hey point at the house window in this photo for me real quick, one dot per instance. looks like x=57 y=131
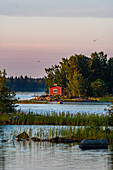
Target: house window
x=54 y=90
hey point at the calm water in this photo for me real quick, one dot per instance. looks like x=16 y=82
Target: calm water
x=28 y=95
x=44 y=155
x=66 y=107
x=72 y=107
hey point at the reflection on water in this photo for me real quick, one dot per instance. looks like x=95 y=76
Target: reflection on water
x=72 y=107
x=45 y=155
x=28 y=95
x=76 y=107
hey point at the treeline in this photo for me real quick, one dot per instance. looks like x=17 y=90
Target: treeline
x=83 y=76
x=25 y=84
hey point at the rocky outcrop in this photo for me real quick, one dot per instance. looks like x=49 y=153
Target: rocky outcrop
x=22 y=136
x=94 y=144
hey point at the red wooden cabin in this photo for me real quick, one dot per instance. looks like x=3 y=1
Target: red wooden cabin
x=56 y=90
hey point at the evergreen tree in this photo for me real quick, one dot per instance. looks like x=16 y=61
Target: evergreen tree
x=6 y=95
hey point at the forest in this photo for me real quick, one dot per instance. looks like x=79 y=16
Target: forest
x=25 y=84
x=83 y=76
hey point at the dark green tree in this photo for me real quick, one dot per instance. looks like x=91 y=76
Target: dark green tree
x=80 y=75
x=98 y=66
x=7 y=97
x=99 y=88
x=110 y=76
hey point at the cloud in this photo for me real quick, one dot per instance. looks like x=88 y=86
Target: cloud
x=59 y=8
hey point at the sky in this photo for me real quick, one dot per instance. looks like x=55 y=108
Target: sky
x=35 y=34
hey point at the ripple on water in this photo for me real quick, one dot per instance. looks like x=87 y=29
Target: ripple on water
x=45 y=155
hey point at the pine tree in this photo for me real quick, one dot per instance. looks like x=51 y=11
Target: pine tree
x=7 y=97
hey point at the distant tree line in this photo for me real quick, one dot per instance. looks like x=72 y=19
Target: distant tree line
x=82 y=75
x=25 y=84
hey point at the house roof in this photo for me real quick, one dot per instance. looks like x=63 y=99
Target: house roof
x=55 y=86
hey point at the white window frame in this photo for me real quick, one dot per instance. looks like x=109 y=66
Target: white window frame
x=54 y=90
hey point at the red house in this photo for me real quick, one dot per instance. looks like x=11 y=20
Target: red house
x=56 y=90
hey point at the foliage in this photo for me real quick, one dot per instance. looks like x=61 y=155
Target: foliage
x=75 y=85
x=69 y=132
x=25 y=84
x=6 y=95
x=110 y=110
x=79 y=74
x=53 y=118
x=99 y=88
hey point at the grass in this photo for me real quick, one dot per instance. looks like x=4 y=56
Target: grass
x=31 y=102
x=69 y=132
x=102 y=99
x=61 y=118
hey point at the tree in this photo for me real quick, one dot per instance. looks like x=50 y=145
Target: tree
x=99 y=88
x=76 y=85
x=7 y=97
x=98 y=66
x=91 y=72
x=110 y=75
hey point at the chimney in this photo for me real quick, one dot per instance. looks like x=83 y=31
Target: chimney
x=55 y=84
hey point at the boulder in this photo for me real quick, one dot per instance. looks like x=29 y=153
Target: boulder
x=94 y=144
x=23 y=135
x=57 y=140
x=61 y=140
x=4 y=140
x=35 y=139
x=69 y=141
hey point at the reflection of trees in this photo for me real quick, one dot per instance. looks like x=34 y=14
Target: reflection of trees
x=2 y=151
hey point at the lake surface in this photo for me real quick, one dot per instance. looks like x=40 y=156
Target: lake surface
x=71 y=107
x=76 y=107
x=45 y=155
x=28 y=95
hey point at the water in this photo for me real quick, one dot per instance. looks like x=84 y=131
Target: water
x=71 y=107
x=28 y=95
x=76 y=107
x=45 y=155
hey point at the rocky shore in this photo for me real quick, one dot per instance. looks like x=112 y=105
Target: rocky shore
x=61 y=98
x=84 y=144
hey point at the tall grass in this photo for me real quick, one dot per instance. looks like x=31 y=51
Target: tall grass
x=69 y=132
x=84 y=119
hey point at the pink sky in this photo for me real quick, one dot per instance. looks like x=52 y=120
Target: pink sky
x=26 y=40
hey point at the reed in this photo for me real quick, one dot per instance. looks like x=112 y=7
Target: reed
x=69 y=132
x=84 y=119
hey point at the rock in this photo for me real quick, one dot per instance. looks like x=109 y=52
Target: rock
x=57 y=140
x=94 y=144
x=4 y=140
x=69 y=141
x=23 y=135
x=35 y=139
x=61 y=140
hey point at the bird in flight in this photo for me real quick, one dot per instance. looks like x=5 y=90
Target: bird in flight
x=95 y=40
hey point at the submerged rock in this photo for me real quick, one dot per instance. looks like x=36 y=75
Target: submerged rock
x=23 y=135
x=94 y=144
x=4 y=140
x=35 y=139
x=61 y=140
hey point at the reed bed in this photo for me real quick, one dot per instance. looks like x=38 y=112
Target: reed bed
x=61 y=118
x=69 y=132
